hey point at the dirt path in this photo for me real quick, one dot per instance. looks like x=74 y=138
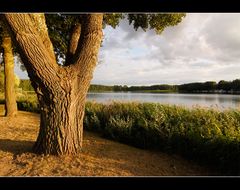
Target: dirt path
x=100 y=157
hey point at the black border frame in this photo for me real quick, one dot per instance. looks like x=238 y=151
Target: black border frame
x=120 y=6
x=188 y=182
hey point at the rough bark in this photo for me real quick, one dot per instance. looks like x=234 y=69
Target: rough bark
x=8 y=59
x=38 y=20
x=61 y=90
x=61 y=126
x=75 y=35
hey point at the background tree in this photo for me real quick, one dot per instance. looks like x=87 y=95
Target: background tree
x=25 y=84
x=8 y=62
x=209 y=86
x=62 y=89
x=236 y=85
x=224 y=85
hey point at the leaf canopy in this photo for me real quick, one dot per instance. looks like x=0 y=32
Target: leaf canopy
x=61 y=25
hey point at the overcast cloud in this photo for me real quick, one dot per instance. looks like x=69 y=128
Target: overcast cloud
x=202 y=47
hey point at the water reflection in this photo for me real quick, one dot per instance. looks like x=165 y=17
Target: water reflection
x=221 y=101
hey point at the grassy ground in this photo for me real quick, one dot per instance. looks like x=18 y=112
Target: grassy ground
x=99 y=157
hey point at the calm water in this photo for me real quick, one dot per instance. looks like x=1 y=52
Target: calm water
x=220 y=101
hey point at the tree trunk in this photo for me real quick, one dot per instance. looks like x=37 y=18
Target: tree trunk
x=61 y=125
x=10 y=96
x=61 y=90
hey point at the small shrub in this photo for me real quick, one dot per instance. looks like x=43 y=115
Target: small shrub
x=28 y=106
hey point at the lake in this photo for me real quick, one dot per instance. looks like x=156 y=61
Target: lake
x=220 y=101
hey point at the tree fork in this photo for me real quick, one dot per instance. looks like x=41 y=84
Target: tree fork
x=61 y=90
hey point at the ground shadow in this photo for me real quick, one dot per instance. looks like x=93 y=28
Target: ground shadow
x=219 y=154
x=16 y=146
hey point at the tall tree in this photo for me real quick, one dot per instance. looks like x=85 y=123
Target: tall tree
x=62 y=89
x=8 y=60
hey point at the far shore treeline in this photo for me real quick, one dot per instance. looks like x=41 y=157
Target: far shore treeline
x=231 y=87
x=196 y=87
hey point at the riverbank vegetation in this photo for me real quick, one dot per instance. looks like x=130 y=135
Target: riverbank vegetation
x=228 y=87
x=208 y=136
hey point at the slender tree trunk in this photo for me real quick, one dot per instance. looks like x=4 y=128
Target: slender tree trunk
x=61 y=91
x=10 y=96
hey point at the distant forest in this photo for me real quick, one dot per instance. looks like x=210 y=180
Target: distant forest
x=196 y=87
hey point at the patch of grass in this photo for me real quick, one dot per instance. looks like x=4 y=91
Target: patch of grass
x=209 y=136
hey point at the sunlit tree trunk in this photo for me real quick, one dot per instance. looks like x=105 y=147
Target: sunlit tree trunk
x=8 y=59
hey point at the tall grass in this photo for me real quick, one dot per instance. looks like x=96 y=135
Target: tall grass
x=208 y=136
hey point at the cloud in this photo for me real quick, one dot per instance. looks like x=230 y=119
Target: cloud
x=202 y=47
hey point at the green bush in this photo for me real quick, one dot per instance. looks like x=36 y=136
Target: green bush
x=31 y=106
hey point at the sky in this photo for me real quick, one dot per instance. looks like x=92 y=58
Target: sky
x=203 y=47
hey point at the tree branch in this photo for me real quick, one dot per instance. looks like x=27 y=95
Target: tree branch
x=88 y=46
x=75 y=35
x=36 y=56
x=39 y=22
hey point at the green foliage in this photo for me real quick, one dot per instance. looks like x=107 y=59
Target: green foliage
x=16 y=81
x=28 y=105
x=99 y=88
x=155 y=21
x=211 y=86
x=156 y=88
x=26 y=85
x=26 y=101
x=94 y=119
x=208 y=136
x=236 y=85
x=60 y=25
x=112 y=19
x=224 y=85
x=196 y=87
